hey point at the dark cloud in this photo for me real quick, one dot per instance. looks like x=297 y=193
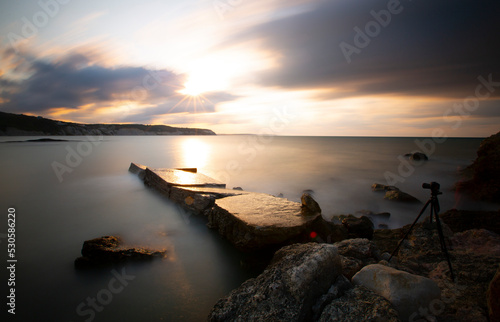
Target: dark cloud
x=429 y=48
x=74 y=81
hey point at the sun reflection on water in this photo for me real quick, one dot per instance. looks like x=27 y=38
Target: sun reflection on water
x=195 y=153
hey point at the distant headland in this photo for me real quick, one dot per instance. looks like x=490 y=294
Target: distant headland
x=19 y=125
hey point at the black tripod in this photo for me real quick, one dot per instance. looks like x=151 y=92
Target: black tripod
x=434 y=202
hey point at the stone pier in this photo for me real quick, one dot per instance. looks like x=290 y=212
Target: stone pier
x=251 y=221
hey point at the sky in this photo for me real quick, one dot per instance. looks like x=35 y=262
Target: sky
x=274 y=67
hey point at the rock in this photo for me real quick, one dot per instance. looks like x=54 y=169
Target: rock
x=461 y=220
x=418 y=156
x=398 y=195
x=359 y=304
x=407 y=292
x=386 y=240
x=238 y=188
x=309 y=206
x=107 y=250
x=493 y=297
x=337 y=290
x=287 y=290
x=381 y=187
x=358 y=227
x=355 y=254
x=481 y=180
x=371 y=214
x=383 y=226
x=479 y=241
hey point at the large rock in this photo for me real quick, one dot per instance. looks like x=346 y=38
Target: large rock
x=407 y=292
x=361 y=227
x=360 y=304
x=108 y=250
x=493 y=297
x=287 y=290
x=482 y=177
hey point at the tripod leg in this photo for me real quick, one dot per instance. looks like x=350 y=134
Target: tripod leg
x=443 y=242
x=409 y=230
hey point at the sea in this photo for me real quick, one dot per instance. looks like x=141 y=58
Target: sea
x=66 y=192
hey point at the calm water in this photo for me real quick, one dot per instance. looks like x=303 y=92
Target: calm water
x=99 y=197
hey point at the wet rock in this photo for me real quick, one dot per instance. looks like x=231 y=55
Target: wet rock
x=406 y=292
x=309 y=206
x=358 y=227
x=462 y=220
x=418 y=156
x=481 y=180
x=238 y=188
x=398 y=195
x=107 y=250
x=287 y=290
x=479 y=241
x=359 y=304
x=493 y=297
x=381 y=187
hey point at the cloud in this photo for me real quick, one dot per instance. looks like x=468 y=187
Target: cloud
x=74 y=81
x=429 y=48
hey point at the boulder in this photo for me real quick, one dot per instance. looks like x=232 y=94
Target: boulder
x=407 y=292
x=493 y=297
x=107 y=250
x=361 y=227
x=360 y=304
x=287 y=290
x=481 y=180
x=309 y=206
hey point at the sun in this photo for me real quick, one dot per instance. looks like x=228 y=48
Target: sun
x=205 y=76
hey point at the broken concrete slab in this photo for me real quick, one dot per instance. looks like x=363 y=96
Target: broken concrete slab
x=249 y=220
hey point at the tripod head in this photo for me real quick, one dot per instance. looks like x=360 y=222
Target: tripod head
x=434 y=187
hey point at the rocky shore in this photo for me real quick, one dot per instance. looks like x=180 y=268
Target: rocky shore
x=326 y=271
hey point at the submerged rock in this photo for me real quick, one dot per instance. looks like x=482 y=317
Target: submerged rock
x=393 y=193
x=287 y=290
x=360 y=304
x=398 y=195
x=418 y=156
x=107 y=250
x=407 y=292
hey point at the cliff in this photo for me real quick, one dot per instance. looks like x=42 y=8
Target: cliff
x=19 y=124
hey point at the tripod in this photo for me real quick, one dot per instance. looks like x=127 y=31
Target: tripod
x=434 y=202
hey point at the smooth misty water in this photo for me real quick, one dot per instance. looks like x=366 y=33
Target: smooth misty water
x=99 y=197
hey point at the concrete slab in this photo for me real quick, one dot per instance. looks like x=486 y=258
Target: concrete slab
x=173 y=177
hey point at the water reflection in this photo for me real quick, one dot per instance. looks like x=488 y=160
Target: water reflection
x=195 y=153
